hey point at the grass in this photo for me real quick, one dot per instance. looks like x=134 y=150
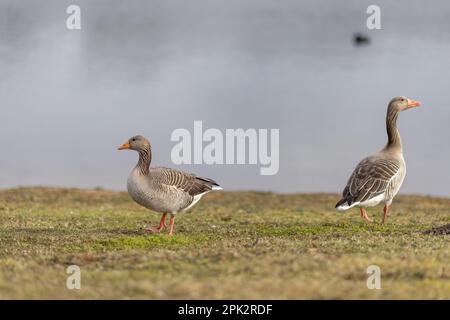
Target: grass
x=232 y=245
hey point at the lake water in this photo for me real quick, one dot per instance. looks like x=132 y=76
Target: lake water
x=69 y=98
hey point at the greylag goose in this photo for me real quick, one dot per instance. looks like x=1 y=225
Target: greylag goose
x=378 y=178
x=161 y=189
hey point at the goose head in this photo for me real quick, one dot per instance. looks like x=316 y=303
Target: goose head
x=137 y=143
x=403 y=103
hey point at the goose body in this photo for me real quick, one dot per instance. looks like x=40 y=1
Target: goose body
x=160 y=192
x=378 y=178
x=163 y=189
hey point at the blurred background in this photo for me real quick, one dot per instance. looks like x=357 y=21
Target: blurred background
x=69 y=98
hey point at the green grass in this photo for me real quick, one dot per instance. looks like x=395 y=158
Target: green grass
x=232 y=245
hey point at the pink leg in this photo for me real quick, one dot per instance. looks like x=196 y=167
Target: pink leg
x=162 y=224
x=385 y=213
x=364 y=215
x=172 y=221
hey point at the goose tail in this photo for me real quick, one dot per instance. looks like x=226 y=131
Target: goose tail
x=343 y=204
x=213 y=185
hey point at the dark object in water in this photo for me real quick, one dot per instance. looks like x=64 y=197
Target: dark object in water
x=360 y=39
x=439 y=230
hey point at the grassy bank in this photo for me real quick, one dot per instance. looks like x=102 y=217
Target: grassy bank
x=232 y=245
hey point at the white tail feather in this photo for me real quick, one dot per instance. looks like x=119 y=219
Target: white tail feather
x=345 y=206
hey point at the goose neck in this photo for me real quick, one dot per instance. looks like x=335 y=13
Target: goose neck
x=145 y=158
x=394 y=138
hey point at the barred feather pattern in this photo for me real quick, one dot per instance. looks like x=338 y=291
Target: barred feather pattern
x=380 y=176
x=189 y=183
x=372 y=177
x=164 y=189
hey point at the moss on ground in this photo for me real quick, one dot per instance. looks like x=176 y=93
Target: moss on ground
x=232 y=245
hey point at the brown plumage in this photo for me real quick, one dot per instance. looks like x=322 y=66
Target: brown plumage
x=162 y=189
x=370 y=179
x=379 y=177
x=188 y=182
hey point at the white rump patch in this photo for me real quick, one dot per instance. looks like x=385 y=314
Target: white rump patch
x=195 y=200
x=345 y=206
x=199 y=196
x=368 y=203
x=372 y=202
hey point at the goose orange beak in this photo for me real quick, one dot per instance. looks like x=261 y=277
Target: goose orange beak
x=124 y=146
x=412 y=103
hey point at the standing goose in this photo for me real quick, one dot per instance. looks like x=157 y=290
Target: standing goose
x=378 y=178
x=163 y=189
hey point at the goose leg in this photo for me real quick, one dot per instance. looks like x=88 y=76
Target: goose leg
x=162 y=224
x=385 y=213
x=172 y=221
x=364 y=215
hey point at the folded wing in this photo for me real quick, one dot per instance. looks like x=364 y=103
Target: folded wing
x=370 y=178
x=184 y=181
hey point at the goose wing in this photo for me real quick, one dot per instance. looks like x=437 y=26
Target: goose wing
x=370 y=178
x=187 y=182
